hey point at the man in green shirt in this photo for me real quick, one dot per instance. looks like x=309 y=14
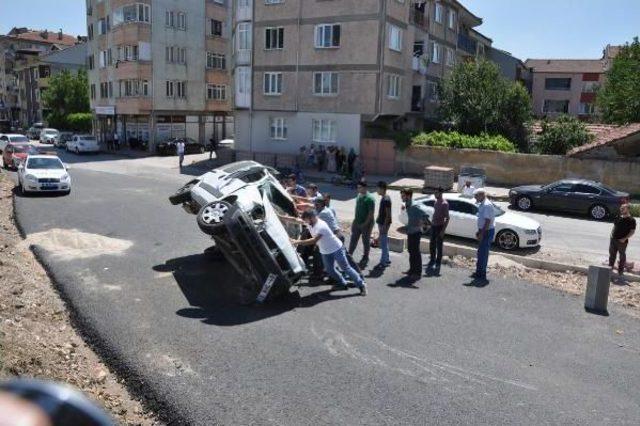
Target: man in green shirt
x=363 y=222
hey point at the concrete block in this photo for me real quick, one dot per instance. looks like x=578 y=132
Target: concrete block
x=397 y=245
x=597 y=294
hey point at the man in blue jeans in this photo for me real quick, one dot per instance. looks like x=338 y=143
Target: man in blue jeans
x=332 y=251
x=485 y=234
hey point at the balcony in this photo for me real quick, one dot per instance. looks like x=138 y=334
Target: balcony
x=467 y=44
x=418 y=19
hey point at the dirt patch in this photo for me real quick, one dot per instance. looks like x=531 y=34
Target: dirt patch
x=68 y=244
x=625 y=294
x=37 y=338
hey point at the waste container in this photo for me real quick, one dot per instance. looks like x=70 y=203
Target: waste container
x=475 y=175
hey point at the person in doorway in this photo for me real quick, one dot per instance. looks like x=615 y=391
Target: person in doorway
x=180 y=152
x=439 y=223
x=415 y=216
x=486 y=232
x=468 y=189
x=362 y=224
x=384 y=224
x=624 y=227
x=213 y=147
x=332 y=252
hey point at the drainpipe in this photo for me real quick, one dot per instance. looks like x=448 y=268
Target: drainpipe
x=381 y=49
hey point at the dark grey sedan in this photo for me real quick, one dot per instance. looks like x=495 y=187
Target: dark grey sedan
x=570 y=196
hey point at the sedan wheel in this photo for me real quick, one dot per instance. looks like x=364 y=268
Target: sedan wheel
x=598 y=212
x=508 y=240
x=211 y=217
x=524 y=203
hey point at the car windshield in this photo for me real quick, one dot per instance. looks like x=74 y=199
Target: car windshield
x=24 y=148
x=19 y=139
x=45 y=163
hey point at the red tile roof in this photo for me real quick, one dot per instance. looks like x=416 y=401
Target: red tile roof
x=51 y=37
x=607 y=135
x=566 y=66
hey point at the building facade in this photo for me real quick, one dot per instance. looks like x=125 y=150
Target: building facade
x=18 y=48
x=326 y=72
x=159 y=69
x=511 y=68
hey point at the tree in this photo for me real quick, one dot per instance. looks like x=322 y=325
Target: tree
x=476 y=99
x=561 y=135
x=66 y=94
x=619 y=98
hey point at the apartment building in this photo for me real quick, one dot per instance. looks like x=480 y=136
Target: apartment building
x=328 y=72
x=18 y=45
x=568 y=86
x=159 y=69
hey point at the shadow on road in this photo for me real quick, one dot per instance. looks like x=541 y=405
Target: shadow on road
x=209 y=285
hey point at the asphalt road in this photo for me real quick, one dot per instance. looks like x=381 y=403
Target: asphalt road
x=133 y=267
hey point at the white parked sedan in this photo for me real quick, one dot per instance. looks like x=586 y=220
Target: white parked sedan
x=83 y=143
x=7 y=138
x=513 y=230
x=43 y=173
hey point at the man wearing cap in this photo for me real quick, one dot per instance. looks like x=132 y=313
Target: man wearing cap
x=485 y=234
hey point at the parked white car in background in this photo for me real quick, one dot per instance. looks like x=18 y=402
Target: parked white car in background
x=51 y=136
x=43 y=173
x=8 y=138
x=513 y=230
x=83 y=143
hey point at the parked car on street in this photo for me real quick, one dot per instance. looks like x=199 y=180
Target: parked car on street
x=83 y=143
x=43 y=173
x=238 y=205
x=513 y=231
x=8 y=138
x=49 y=136
x=570 y=196
x=16 y=153
x=65 y=137
x=191 y=146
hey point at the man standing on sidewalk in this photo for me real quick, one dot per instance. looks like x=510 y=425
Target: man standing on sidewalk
x=362 y=223
x=439 y=223
x=624 y=227
x=415 y=215
x=384 y=223
x=485 y=234
x=332 y=251
x=180 y=152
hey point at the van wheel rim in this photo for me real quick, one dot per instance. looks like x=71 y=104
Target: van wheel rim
x=598 y=212
x=524 y=203
x=508 y=240
x=214 y=213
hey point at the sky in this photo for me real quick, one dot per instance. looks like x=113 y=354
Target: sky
x=525 y=28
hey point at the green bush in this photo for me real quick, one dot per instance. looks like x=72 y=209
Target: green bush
x=561 y=135
x=459 y=140
x=635 y=210
x=80 y=122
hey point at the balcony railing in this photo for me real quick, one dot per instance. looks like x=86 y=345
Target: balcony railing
x=418 y=19
x=467 y=44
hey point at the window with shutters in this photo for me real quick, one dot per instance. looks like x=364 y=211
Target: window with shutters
x=327 y=36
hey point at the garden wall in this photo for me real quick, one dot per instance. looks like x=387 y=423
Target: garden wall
x=511 y=169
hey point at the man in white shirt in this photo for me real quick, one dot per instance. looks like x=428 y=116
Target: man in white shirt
x=485 y=233
x=180 y=152
x=468 y=190
x=332 y=251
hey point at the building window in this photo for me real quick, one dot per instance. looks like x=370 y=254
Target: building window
x=451 y=57
x=439 y=13
x=136 y=12
x=395 y=38
x=127 y=53
x=587 y=108
x=102 y=26
x=215 y=28
x=181 y=89
x=216 y=61
x=182 y=21
x=134 y=88
x=272 y=83
x=555 y=106
x=93 y=91
x=170 y=90
x=324 y=130
x=244 y=36
x=557 y=84
x=325 y=83
x=432 y=91
x=90 y=31
x=110 y=89
x=278 y=128
x=274 y=38
x=244 y=80
x=452 y=19
x=327 y=35
x=176 y=55
x=590 y=87
x=394 y=84
x=90 y=62
x=103 y=58
x=216 y=92
x=435 y=53
x=169 y=18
